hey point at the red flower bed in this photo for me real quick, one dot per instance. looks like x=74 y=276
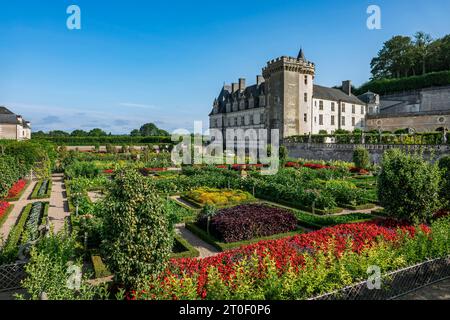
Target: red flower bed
x=316 y=166
x=246 y=222
x=359 y=171
x=222 y=167
x=292 y=165
x=289 y=251
x=108 y=171
x=3 y=207
x=16 y=189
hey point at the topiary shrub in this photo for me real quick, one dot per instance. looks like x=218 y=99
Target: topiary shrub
x=444 y=165
x=361 y=158
x=137 y=237
x=408 y=186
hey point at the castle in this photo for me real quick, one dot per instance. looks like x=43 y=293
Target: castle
x=286 y=98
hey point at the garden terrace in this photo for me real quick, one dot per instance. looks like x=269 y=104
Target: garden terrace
x=291 y=266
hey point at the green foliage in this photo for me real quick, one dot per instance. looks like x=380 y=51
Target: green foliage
x=390 y=86
x=444 y=165
x=52 y=267
x=408 y=186
x=361 y=158
x=9 y=174
x=137 y=241
x=82 y=169
x=116 y=140
x=151 y=130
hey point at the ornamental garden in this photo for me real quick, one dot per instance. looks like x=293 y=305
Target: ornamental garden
x=312 y=228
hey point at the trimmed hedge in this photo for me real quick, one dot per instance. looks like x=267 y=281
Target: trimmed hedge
x=100 y=269
x=318 y=222
x=10 y=249
x=114 y=140
x=44 y=186
x=389 y=86
x=183 y=249
x=221 y=246
x=6 y=214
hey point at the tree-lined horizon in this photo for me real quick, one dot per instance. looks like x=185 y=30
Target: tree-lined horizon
x=405 y=56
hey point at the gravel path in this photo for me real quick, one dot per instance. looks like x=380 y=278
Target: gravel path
x=59 y=208
x=437 y=291
x=205 y=249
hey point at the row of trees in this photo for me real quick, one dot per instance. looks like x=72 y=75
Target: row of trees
x=404 y=56
x=147 y=130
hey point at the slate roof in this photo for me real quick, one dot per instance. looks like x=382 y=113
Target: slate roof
x=4 y=110
x=250 y=91
x=333 y=94
x=8 y=118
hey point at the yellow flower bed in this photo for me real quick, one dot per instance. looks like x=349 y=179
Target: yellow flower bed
x=218 y=197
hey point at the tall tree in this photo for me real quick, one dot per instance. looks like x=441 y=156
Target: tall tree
x=79 y=133
x=150 y=129
x=97 y=133
x=422 y=44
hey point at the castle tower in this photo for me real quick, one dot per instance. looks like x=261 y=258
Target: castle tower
x=289 y=90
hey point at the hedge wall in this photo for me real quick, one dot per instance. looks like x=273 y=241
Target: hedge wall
x=390 y=86
x=117 y=140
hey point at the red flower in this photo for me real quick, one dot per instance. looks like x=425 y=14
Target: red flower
x=16 y=189
x=108 y=171
x=3 y=207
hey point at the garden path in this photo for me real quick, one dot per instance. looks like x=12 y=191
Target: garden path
x=437 y=291
x=16 y=211
x=59 y=208
x=205 y=249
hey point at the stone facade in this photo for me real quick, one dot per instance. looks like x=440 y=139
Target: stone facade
x=13 y=127
x=422 y=110
x=286 y=98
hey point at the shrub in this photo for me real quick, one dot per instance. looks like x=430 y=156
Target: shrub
x=52 y=266
x=361 y=158
x=249 y=221
x=444 y=165
x=82 y=169
x=218 y=197
x=137 y=240
x=408 y=186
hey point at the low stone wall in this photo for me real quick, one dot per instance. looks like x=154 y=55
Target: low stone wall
x=344 y=152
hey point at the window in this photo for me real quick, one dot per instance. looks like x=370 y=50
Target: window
x=353 y=109
x=305 y=117
x=332 y=120
x=363 y=109
x=343 y=107
x=343 y=121
x=306 y=79
x=321 y=105
x=362 y=123
x=353 y=121
x=306 y=97
x=332 y=107
x=320 y=119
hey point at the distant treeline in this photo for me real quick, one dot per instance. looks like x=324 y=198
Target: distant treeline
x=103 y=140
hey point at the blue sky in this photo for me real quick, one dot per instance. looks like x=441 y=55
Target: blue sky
x=164 y=61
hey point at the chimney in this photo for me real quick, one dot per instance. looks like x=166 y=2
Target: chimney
x=241 y=84
x=259 y=80
x=234 y=87
x=347 y=87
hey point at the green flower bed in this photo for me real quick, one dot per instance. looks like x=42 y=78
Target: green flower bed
x=317 y=222
x=222 y=246
x=42 y=190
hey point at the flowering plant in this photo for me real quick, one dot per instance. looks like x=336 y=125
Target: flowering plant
x=16 y=189
x=3 y=208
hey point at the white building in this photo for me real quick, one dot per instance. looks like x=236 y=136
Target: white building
x=286 y=98
x=13 y=127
